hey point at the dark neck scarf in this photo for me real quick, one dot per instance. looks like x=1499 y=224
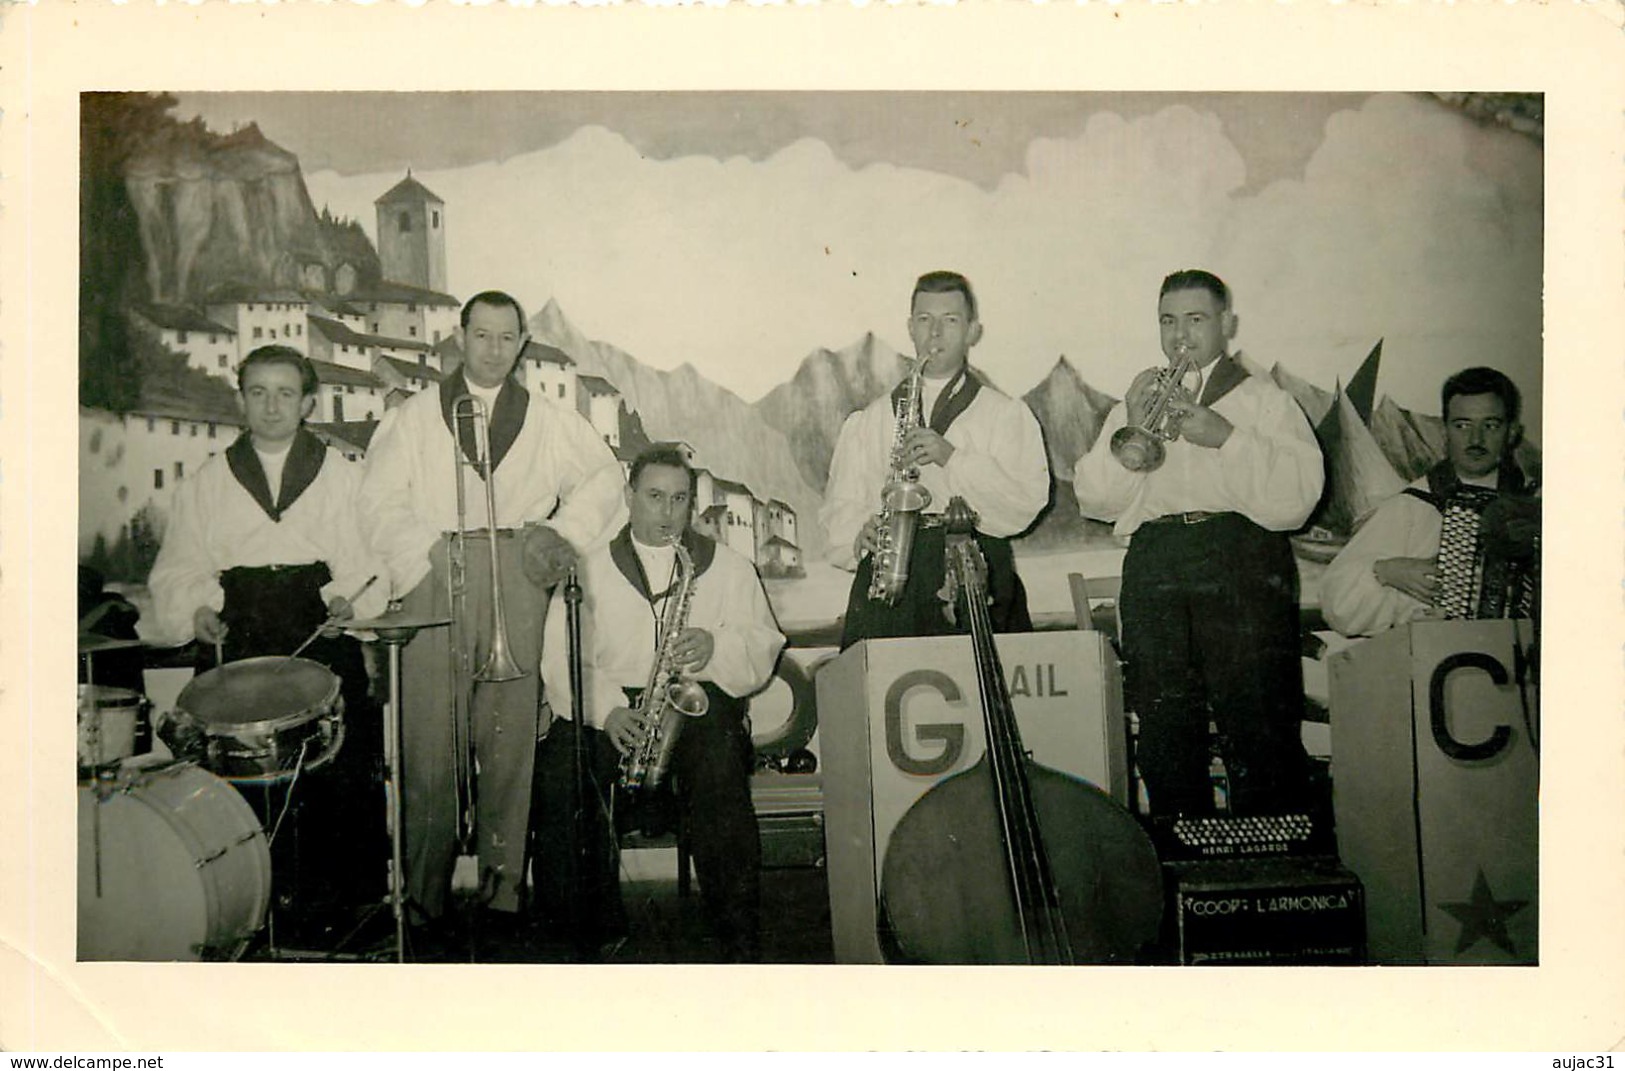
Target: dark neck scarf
x=1225 y=376
x=1444 y=483
x=956 y=396
x=507 y=418
x=700 y=549
x=305 y=456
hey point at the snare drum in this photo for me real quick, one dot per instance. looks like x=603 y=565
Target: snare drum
x=257 y=717
x=172 y=866
x=109 y=716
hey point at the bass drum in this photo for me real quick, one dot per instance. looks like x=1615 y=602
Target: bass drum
x=173 y=865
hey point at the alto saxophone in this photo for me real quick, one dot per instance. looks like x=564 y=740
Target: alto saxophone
x=902 y=500
x=669 y=697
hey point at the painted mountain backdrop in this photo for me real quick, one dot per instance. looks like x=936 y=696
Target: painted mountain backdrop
x=182 y=211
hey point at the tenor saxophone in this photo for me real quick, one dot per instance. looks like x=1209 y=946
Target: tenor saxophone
x=669 y=697
x=902 y=500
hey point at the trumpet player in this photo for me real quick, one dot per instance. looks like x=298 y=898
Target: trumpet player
x=661 y=595
x=966 y=439
x=554 y=489
x=1209 y=601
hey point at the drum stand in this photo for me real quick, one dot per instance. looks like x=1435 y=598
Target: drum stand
x=101 y=776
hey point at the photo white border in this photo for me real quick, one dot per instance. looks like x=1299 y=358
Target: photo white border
x=1574 y=1001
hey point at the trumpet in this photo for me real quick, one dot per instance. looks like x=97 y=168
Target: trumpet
x=669 y=696
x=499 y=664
x=1139 y=447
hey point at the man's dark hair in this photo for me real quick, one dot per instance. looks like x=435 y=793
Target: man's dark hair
x=1197 y=279
x=493 y=297
x=1480 y=380
x=944 y=282
x=660 y=454
x=279 y=354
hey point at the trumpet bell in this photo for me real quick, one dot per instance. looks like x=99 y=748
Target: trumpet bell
x=1138 y=450
x=688 y=698
x=499 y=667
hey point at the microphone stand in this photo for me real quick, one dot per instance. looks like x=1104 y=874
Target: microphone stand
x=581 y=834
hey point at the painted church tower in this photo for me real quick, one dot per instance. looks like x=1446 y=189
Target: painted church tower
x=412 y=235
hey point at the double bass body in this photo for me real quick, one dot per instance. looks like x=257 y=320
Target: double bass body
x=946 y=893
x=1011 y=861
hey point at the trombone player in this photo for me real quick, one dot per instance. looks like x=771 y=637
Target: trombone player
x=469 y=702
x=1208 y=488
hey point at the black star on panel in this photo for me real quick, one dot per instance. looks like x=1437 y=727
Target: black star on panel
x=1484 y=917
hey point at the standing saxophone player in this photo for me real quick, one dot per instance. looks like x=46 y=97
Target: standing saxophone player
x=1209 y=604
x=556 y=491
x=972 y=441
x=723 y=638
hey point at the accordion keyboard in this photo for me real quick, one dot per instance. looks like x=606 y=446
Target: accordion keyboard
x=1216 y=837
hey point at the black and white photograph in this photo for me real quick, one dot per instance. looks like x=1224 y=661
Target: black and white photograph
x=568 y=528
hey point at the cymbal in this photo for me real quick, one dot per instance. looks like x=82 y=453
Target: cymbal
x=91 y=643
x=398 y=621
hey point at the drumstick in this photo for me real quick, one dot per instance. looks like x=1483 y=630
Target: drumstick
x=327 y=624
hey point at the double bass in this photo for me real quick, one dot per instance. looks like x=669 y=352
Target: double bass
x=1011 y=861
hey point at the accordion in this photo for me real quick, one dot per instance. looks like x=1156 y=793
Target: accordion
x=1489 y=555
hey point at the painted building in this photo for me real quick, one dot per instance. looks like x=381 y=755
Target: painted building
x=341 y=310
x=549 y=371
x=398 y=310
x=261 y=317
x=599 y=401
x=133 y=460
x=779 y=558
x=335 y=343
x=777 y=520
x=350 y=438
x=209 y=347
x=344 y=394
x=412 y=234
x=409 y=376
x=738 y=524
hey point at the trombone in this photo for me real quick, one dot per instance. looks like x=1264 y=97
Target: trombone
x=499 y=664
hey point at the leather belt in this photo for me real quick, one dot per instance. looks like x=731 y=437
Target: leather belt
x=1195 y=516
x=485 y=533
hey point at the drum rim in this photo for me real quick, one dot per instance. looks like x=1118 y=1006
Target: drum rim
x=298 y=717
x=109 y=692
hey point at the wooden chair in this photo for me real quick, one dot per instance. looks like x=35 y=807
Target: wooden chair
x=1094 y=604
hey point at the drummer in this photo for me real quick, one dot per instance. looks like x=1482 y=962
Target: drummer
x=261 y=548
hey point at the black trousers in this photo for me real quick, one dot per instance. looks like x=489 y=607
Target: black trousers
x=710 y=794
x=919 y=611
x=331 y=848
x=1210 y=625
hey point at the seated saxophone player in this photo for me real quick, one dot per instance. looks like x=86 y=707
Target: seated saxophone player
x=1388 y=573
x=661 y=602
x=555 y=490
x=262 y=547
x=1209 y=602
x=957 y=435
